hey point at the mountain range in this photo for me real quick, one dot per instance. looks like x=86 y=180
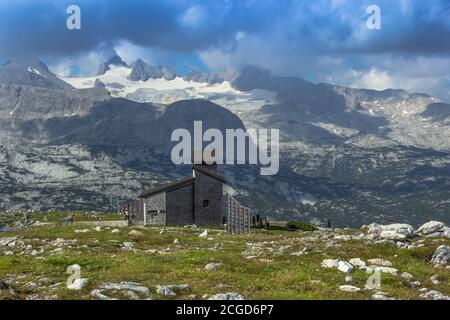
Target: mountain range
x=350 y=155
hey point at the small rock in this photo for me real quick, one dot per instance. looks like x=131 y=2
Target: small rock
x=381 y=296
x=212 y=266
x=435 y=279
x=66 y=220
x=127 y=286
x=344 y=266
x=99 y=295
x=3 y=285
x=45 y=282
x=414 y=284
x=176 y=241
x=403 y=245
x=406 y=275
x=441 y=256
x=347 y=288
x=204 y=234
x=380 y=262
x=78 y=284
x=136 y=233
x=227 y=296
x=115 y=231
x=434 y=295
x=169 y=290
x=98 y=229
x=128 y=246
x=82 y=231
x=348 y=279
x=389 y=270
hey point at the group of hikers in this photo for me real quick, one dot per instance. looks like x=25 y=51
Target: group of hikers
x=259 y=222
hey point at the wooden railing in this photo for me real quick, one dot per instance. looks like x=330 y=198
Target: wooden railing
x=238 y=217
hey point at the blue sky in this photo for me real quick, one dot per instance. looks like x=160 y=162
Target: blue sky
x=321 y=40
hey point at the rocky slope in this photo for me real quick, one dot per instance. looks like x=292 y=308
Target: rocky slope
x=377 y=262
x=346 y=154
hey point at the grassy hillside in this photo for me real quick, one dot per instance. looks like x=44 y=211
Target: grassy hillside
x=273 y=264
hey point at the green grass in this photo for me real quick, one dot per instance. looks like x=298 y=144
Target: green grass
x=269 y=276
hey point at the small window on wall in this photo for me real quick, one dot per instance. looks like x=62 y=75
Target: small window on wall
x=205 y=203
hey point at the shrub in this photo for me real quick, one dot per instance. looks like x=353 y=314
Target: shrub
x=299 y=225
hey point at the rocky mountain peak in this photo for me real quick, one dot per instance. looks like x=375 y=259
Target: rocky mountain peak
x=115 y=60
x=30 y=72
x=141 y=71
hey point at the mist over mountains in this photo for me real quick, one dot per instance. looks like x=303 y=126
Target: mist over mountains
x=352 y=155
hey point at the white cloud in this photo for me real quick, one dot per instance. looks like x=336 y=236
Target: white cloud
x=193 y=16
x=130 y=52
x=373 y=79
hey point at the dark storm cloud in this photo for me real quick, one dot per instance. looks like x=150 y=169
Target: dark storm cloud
x=38 y=27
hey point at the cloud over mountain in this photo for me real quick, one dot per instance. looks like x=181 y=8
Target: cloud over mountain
x=317 y=40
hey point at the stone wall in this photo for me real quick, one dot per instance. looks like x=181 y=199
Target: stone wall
x=209 y=189
x=156 y=209
x=180 y=206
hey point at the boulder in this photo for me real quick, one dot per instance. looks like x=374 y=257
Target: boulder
x=227 y=296
x=131 y=289
x=446 y=232
x=374 y=231
x=396 y=231
x=330 y=263
x=130 y=286
x=392 y=235
x=431 y=227
x=357 y=262
x=441 y=256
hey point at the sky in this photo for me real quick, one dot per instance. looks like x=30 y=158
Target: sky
x=319 y=40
